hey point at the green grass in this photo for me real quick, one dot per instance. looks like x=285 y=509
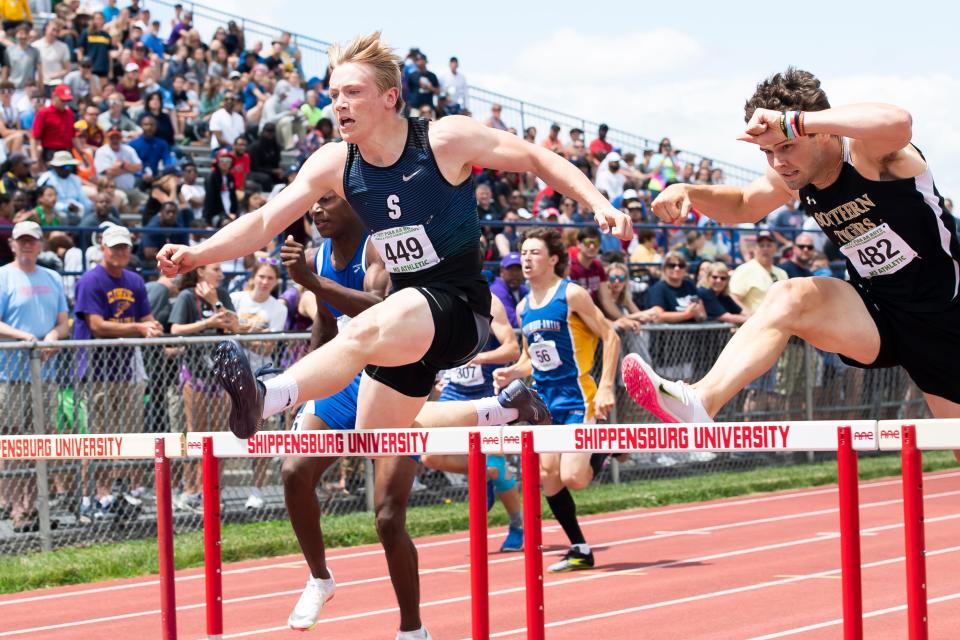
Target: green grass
x=264 y=539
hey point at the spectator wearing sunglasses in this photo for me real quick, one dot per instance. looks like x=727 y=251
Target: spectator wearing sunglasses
x=618 y=279
x=587 y=271
x=675 y=297
x=798 y=266
x=714 y=292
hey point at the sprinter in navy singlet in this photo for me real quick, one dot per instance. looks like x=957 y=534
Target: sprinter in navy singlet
x=435 y=318
x=857 y=173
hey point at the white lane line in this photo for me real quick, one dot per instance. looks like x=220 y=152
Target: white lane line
x=725 y=592
x=613 y=543
x=624 y=572
x=839 y=621
x=427 y=545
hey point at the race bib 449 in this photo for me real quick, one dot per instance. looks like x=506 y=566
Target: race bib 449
x=405 y=249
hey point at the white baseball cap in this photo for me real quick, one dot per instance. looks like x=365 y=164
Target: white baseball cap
x=116 y=235
x=523 y=213
x=27 y=228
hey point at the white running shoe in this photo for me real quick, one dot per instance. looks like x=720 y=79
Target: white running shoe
x=307 y=610
x=668 y=401
x=254 y=502
x=419 y=634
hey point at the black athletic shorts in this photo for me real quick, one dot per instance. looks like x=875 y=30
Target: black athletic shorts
x=925 y=343
x=460 y=333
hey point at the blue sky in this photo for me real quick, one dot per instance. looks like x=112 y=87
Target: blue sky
x=681 y=69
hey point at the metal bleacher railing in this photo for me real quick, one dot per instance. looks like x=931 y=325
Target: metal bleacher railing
x=516 y=112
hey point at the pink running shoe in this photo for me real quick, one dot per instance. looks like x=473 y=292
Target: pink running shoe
x=668 y=401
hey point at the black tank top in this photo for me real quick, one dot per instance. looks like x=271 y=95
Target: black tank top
x=898 y=239
x=425 y=229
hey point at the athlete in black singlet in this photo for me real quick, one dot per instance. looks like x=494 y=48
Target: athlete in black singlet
x=858 y=174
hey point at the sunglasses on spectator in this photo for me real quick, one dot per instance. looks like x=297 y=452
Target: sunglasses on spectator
x=804 y=247
x=617 y=278
x=268 y=260
x=675 y=265
x=590 y=243
x=719 y=277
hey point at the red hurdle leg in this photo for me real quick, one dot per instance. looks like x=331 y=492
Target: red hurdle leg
x=213 y=569
x=849 y=536
x=532 y=537
x=168 y=600
x=479 y=586
x=913 y=531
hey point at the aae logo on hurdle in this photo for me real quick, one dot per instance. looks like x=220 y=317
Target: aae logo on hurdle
x=768 y=436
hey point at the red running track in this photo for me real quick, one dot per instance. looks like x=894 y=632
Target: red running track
x=760 y=567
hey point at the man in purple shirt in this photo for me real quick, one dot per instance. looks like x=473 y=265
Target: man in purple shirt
x=185 y=24
x=112 y=302
x=509 y=286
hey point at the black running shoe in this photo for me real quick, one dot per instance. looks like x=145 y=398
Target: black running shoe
x=528 y=402
x=574 y=560
x=246 y=392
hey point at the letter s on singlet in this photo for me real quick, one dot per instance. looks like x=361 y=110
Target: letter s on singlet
x=393 y=204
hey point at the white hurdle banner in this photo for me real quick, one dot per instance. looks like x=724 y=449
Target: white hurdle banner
x=115 y=446
x=608 y=438
x=771 y=436
x=932 y=435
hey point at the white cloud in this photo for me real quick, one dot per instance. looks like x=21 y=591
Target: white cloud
x=604 y=79
x=567 y=55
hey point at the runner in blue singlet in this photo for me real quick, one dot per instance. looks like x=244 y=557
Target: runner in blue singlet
x=561 y=327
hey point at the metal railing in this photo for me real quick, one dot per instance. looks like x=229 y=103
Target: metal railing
x=164 y=385
x=516 y=112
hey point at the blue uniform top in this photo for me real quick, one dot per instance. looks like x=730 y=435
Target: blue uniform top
x=351 y=276
x=425 y=228
x=560 y=344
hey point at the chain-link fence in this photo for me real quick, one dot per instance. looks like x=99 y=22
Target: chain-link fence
x=166 y=385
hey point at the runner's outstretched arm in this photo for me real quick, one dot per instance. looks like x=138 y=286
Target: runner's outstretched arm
x=321 y=173
x=465 y=142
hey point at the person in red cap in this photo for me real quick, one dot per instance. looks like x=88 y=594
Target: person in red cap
x=53 y=124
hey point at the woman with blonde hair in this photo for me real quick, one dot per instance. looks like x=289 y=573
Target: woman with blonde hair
x=714 y=292
x=260 y=312
x=618 y=279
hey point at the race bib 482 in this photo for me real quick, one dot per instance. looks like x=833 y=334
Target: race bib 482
x=878 y=252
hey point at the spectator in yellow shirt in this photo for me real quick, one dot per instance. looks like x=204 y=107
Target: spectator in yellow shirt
x=15 y=12
x=751 y=280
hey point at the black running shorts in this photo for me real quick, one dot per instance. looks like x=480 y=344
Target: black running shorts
x=459 y=334
x=925 y=343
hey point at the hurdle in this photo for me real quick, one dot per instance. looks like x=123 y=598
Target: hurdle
x=911 y=438
x=846 y=438
x=161 y=448
x=475 y=442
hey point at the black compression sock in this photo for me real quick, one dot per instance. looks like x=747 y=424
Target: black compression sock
x=565 y=511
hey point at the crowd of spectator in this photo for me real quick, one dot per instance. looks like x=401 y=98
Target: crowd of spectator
x=112 y=121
